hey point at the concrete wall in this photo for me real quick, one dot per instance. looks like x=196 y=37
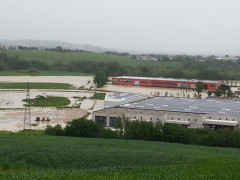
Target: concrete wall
x=196 y=120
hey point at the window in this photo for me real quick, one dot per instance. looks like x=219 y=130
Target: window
x=134 y=117
x=188 y=119
x=226 y=118
x=172 y=118
x=178 y=118
x=157 y=119
x=141 y=118
x=233 y=119
x=150 y=118
x=195 y=119
x=219 y=118
x=210 y=117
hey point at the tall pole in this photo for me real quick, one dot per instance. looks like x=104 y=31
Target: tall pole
x=27 y=114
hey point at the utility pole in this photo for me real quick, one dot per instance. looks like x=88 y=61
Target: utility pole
x=27 y=114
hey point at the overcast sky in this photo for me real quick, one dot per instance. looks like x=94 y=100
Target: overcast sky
x=175 y=26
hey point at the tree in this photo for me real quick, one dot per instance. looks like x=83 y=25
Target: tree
x=217 y=93
x=83 y=128
x=224 y=88
x=209 y=93
x=199 y=87
x=229 y=93
x=100 y=78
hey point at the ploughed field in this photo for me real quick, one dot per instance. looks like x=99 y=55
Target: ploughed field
x=48 y=157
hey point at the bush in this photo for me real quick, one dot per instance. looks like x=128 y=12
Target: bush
x=55 y=131
x=109 y=134
x=83 y=128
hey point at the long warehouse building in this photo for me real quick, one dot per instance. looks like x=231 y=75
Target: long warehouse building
x=192 y=113
x=164 y=82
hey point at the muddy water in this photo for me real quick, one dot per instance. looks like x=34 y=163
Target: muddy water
x=152 y=91
x=78 y=81
x=13 y=120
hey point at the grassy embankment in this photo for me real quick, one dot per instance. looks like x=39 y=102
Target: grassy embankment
x=52 y=57
x=46 y=157
x=100 y=96
x=36 y=86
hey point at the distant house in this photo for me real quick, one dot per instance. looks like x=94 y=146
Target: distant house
x=3 y=48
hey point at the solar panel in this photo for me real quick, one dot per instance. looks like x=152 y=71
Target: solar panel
x=201 y=106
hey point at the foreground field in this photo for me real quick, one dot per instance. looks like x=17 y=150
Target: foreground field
x=44 y=157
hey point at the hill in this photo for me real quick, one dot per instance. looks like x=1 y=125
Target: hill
x=42 y=44
x=52 y=57
x=46 y=157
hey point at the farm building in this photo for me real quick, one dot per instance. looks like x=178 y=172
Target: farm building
x=192 y=113
x=116 y=98
x=163 y=82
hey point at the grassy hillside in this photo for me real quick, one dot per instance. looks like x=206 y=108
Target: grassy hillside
x=51 y=57
x=44 y=157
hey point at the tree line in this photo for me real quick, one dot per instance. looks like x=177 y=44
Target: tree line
x=191 y=69
x=148 y=131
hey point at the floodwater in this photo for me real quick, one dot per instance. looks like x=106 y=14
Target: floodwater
x=11 y=119
x=153 y=91
x=78 y=81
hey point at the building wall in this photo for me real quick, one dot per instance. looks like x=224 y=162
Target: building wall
x=162 y=83
x=196 y=120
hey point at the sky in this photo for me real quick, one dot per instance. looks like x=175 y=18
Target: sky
x=162 y=26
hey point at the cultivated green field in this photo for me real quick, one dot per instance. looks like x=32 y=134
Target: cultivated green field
x=42 y=73
x=36 y=86
x=49 y=157
x=51 y=57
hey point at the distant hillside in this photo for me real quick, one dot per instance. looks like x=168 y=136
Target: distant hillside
x=52 y=57
x=42 y=44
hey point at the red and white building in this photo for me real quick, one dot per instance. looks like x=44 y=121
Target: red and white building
x=164 y=82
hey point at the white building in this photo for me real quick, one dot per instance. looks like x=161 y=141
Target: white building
x=115 y=98
x=192 y=113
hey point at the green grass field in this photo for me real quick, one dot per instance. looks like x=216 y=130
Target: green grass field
x=51 y=57
x=49 y=157
x=49 y=101
x=42 y=73
x=100 y=96
x=36 y=86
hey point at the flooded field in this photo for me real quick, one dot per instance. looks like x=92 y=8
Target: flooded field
x=12 y=120
x=12 y=113
x=153 y=91
x=78 y=81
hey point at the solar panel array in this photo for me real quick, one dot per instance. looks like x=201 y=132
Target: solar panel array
x=124 y=96
x=188 y=105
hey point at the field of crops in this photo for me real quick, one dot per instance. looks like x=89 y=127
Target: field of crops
x=47 y=157
x=51 y=57
x=36 y=86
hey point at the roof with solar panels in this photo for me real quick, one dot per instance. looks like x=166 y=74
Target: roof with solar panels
x=187 y=105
